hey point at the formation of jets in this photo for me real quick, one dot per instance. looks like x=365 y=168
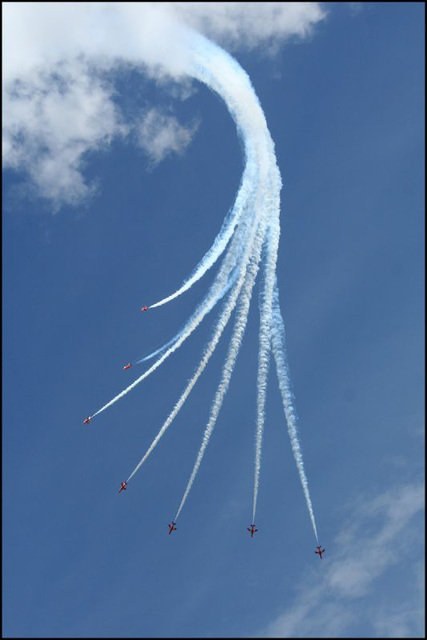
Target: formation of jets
x=172 y=525
x=251 y=529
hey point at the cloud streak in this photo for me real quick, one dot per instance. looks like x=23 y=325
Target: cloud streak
x=51 y=122
x=160 y=134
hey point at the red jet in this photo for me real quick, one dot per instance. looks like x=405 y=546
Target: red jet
x=144 y=308
x=127 y=366
x=172 y=527
x=123 y=486
x=252 y=530
x=87 y=420
x=320 y=551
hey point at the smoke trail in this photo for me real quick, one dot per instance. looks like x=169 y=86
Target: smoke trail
x=252 y=223
x=269 y=178
x=233 y=350
x=222 y=323
x=239 y=239
x=257 y=230
x=212 y=66
x=225 y=234
x=272 y=246
x=209 y=307
x=219 y=71
x=158 y=351
x=279 y=351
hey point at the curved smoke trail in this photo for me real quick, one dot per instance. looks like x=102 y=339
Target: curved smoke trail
x=224 y=236
x=233 y=350
x=250 y=234
x=213 y=302
x=209 y=350
x=269 y=186
x=233 y=254
x=215 y=68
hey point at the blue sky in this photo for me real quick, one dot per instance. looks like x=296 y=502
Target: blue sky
x=345 y=108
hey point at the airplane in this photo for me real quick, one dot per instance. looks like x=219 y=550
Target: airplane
x=123 y=486
x=252 y=530
x=127 y=366
x=320 y=551
x=87 y=420
x=144 y=308
x=172 y=527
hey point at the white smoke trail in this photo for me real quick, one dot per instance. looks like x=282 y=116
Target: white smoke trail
x=253 y=221
x=270 y=262
x=247 y=279
x=209 y=307
x=152 y=35
x=220 y=72
x=158 y=351
x=225 y=234
x=222 y=323
x=278 y=344
x=239 y=240
x=254 y=233
x=233 y=350
x=269 y=178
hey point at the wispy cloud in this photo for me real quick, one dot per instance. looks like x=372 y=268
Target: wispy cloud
x=379 y=537
x=247 y=25
x=160 y=134
x=51 y=121
x=59 y=61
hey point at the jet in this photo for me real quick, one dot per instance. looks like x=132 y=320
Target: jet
x=320 y=551
x=144 y=308
x=87 y=420
x=252 y=530
x=123 y=486
x=172 y=527
x=127 y=366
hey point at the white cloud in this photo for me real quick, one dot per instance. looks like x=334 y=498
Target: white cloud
x=379 y=536
x=57 y=104
x=247 y=25
x=52 y=121
x=160 y=134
